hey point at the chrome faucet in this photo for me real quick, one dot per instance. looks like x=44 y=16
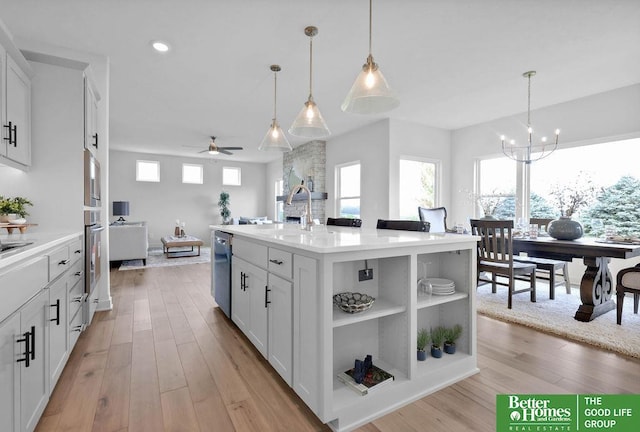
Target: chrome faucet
x=309 y=218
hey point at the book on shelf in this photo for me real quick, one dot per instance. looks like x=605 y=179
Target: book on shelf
x=373 y=379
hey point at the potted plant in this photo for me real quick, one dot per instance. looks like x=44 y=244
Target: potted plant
x=423 y=340
x=437 y=339
x=223 y=203
x=13 y=208
x=452 y=335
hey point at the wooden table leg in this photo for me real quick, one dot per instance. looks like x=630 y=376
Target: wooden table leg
x=596 y=289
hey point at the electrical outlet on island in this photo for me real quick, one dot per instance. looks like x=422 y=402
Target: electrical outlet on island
x=365 y=275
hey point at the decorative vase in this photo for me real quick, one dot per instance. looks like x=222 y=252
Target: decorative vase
x=422 y=355
x=565 y=228
x=436 y=352
x=450 y=347
x=4 y=217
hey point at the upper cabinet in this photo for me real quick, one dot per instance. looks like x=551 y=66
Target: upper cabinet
x=91 y=98
x=15 y=105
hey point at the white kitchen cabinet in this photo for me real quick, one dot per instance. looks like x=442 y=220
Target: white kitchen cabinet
x=17 y=120
x=280 y=330
x=58 y=329
x=248 y=309
x=91 y=98
x=10 y=352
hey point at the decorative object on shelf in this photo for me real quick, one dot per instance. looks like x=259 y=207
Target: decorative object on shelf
x=223 y=204
x=12 y=209
x=452 y=335
x=438 y=335
x=423 y=341
x=353 y=302
x=310 y=183
x=275 y=139
x=121 y=208
x=370 y=93
x=176 y=231
x=441 y=286
x=529 y=152
x=309 y=122
x=365 y=376
x=565 y=228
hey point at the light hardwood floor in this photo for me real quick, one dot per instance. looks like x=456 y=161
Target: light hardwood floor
x=165 y=358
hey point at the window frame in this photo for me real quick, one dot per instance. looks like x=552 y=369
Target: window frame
x=239 y=176
x=151 y=162
x=338 y=184
x=190 y=165
x=437 y=178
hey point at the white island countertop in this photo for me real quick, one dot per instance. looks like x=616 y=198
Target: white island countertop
x=40 y=242
x=329 y=239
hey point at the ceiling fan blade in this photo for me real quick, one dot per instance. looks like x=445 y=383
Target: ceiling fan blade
x=231 y=148
x=223 y=151
x=203 y=151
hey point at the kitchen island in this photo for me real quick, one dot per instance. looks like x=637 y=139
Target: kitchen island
x=283 y=282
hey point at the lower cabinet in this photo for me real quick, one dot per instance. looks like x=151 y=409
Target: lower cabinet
x=261 y=308
x=58 y=334
x=10 y=352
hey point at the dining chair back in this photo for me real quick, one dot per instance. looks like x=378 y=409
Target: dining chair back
x=437 y=218
x=348 y=222
x=495 y=256
x=627 y=281
x=404 y=225
x=555 y=271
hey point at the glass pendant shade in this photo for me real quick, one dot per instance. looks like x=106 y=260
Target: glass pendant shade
x=370 y=93
x=275 y=139
x=309 y=123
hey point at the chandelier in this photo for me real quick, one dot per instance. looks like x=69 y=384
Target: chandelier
x=529 y=151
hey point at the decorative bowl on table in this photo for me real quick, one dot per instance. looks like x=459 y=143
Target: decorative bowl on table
x=353 y=302
x=18 y=221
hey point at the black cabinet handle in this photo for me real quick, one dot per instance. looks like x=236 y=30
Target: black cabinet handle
x=33 y=343
x=78 y=273
x=63 y=262
x=13 y=134
x=77 y=299
x=275 y=261
x=266 y=295
x=77 y=251
x=95 y=136
x=243 y=281
x=57 y=306
x=26 y=339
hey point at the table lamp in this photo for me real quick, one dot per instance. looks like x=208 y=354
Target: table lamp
x=121 y=208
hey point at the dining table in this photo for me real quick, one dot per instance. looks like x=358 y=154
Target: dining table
x=597 y=285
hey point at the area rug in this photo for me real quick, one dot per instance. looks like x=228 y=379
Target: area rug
x=556 y=317
x=157 y=258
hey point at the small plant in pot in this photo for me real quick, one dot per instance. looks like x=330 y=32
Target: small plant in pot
x=437 y=339
x=423 y=340
x=453 y=334
x=13 y=209
x=223 y=203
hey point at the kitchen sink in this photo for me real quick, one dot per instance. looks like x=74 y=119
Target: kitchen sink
x=13 y=245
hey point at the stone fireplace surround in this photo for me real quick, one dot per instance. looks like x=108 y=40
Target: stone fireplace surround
x=312 y=158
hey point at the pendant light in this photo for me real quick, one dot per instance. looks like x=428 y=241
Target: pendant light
x=370 y=93
x=529 y=152
x=309 y=123
x=275 y=138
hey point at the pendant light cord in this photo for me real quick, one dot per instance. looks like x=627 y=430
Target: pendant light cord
x=310 y=66
x=370 y=20
x=529 y=103
x=275 y=93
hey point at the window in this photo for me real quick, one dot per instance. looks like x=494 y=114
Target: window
x=231 y=176
x=279 y=208
x=147 y=171
x=191 y=173
x=418 y=186
x=497 y=188
x=348 y=190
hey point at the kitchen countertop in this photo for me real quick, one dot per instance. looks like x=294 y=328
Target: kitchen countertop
x=328 y=239
x=42 y=241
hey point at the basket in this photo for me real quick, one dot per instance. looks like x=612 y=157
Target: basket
x=353 y=302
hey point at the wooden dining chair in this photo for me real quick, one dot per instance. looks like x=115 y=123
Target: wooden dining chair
x=437 y=218
x=627 y=281
x=495 y=256
x=555 y=271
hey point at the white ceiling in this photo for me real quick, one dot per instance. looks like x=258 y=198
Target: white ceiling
x=453 y=63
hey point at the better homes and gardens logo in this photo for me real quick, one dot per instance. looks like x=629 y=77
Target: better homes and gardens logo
x=547 y=413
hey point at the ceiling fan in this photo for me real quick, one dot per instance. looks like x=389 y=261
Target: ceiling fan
x=215 y=149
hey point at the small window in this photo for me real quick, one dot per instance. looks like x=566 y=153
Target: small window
x=147 y=171
x=348 y=190
x=418 y=186
x=191 y=173
x=231 y=176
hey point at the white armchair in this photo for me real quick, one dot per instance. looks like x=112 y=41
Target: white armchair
x=128 y=241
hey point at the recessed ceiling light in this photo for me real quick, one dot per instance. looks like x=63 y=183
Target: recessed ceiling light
x=160 y=46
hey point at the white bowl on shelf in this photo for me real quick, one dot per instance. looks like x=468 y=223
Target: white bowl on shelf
x=18 y=221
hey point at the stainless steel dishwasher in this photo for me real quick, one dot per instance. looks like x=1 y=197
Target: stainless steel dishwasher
x=221 y=270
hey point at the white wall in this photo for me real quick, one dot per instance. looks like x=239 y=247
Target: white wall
x=160 y=204
x=370 y=146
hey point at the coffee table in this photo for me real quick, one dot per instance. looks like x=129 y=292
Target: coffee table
x=169 y=242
